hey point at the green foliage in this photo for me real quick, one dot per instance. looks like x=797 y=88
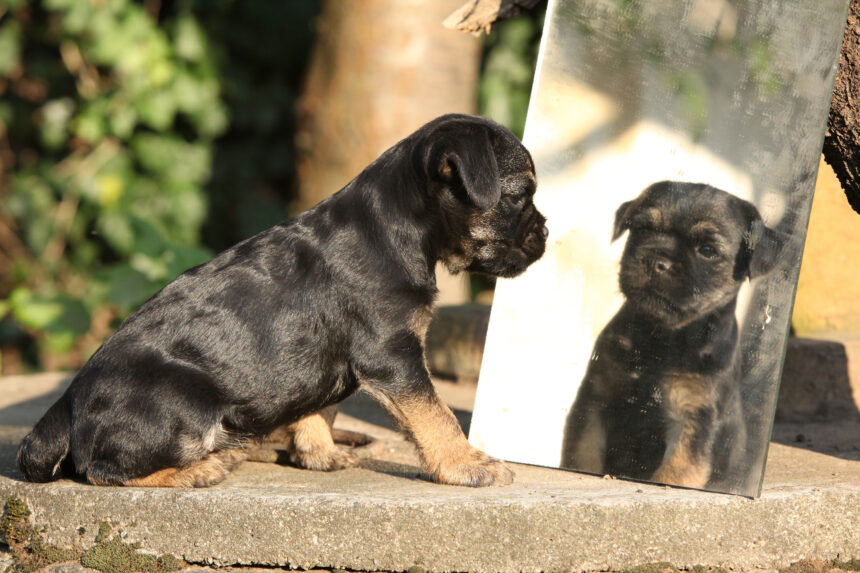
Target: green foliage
x=112 y=126
x=131 y=135
x=61 y=318
x=510 y=56
x=138 y=138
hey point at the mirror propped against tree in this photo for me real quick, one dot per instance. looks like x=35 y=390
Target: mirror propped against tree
x=676 y=146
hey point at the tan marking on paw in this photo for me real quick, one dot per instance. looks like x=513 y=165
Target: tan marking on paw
x=446 y=456
x=210 y=470
x=310 y=445
x=680 y=470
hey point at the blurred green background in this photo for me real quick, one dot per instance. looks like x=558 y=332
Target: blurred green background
x=139 y=138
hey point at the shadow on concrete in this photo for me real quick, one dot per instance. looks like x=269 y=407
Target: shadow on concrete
x=28 y=412
x=392 y=468
x=8 y=467
x=839 y=439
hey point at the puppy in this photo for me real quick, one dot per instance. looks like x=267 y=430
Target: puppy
x=660 y=400
x=297 y=318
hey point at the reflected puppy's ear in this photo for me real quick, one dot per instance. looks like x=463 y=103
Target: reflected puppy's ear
x=622 y=219
x=764 y=247
x=629 y=208
x=464 y=159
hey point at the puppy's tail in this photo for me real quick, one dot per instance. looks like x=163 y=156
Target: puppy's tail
x=44 y=449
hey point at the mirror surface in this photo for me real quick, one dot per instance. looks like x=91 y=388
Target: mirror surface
x=676 y=146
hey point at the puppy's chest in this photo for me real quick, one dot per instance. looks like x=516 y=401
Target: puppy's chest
x=655 y=374
x=684 y=393
x=419 y=321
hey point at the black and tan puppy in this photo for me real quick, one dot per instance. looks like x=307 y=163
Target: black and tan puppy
x=661 y=400
x=297 y=318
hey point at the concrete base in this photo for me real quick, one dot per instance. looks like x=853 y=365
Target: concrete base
x=382 y=516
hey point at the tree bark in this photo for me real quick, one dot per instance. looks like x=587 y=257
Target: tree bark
x=478 y=16
x=380 y=69
x=842 y=141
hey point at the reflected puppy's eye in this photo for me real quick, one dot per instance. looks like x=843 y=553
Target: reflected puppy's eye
x=708 y=251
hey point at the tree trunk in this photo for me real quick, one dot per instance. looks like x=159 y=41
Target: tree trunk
x=380 y=69
x=842 y=142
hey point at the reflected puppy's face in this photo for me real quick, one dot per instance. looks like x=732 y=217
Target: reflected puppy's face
x=689 y=249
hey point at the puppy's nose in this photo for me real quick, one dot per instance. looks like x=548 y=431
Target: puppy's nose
x=660 y=265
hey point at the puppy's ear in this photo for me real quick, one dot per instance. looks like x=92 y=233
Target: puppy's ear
x=764 y=247
x=465 y=159
x=622 y=219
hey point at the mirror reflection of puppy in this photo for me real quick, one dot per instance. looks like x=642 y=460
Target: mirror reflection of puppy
x=276 y=329
x=661 y=398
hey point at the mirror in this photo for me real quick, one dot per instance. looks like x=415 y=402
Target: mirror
x=676 y=146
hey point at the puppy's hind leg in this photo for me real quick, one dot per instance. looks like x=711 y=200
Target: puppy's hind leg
x=194 y=459
x=310 y=444
x=209 y=470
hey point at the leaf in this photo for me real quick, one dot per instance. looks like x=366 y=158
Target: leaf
x=153 y=268
x=90 y=127
x=172 y=158
x=57 y=314
x=110 y=188
x=189 y=40
x=157 y=109
x=10 y=47
x=122 y=121
x=128 y=288
x=148 y=239
x=117 y=230
x=58 y=342
x=184 y=257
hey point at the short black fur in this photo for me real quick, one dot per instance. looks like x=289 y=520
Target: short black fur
x=300 y=316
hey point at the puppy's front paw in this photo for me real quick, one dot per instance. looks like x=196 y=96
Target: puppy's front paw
x=475 y=470
x=692 y=475
x=323 y=458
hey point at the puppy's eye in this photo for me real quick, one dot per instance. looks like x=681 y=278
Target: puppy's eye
x=708 y=251
x=516 y=200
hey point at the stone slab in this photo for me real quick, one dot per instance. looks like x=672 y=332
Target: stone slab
x=382 y=516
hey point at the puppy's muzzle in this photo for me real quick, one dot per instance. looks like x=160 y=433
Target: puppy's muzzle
x=659 y=265
x=536 y=234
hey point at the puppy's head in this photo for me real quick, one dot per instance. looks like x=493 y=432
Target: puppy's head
x=482 y=182
x=689 y=249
